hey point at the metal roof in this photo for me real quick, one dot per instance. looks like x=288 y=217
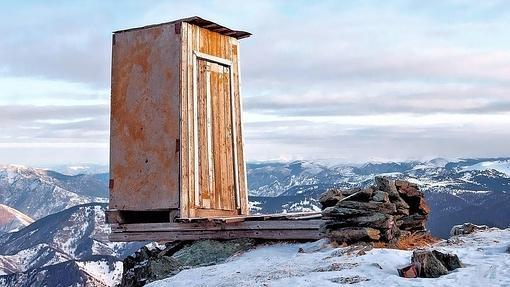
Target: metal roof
x=195 y=20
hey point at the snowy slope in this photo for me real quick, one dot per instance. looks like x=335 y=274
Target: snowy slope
x=38 y=193
x=483 y=253
x=502 y=166
x=73 y=241
x=12 y=219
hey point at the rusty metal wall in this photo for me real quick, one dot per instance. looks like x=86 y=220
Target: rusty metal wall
x=145 y=108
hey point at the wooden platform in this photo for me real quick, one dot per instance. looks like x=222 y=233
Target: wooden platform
x=282 y=226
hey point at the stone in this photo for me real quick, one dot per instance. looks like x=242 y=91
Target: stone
x=409 y=191
x=409 y=271
x=380 y=196
x=385 y=184
x=374 y=220
x=401 y=183
x=342 y=212
x=508 y=249
x=466 y=228
x=450 y=261
x=151 y=263
x=415 y=222
x=330 y=198
x=388 y=208
x=353 y=234
x=430 y=266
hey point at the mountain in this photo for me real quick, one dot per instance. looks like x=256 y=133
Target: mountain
x=12 y=219
x=80 y=168
x=464 y=190
x=72 y=242
x=37 y=192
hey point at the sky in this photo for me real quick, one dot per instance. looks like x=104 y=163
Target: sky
x=346 y=81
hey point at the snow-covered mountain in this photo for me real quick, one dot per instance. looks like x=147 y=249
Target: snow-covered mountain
x=71 y=245
x=37 y=192
x=12 y=219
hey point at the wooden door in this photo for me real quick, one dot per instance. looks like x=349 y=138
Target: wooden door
x=215 y=167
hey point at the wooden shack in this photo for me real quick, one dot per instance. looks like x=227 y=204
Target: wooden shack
x=176 y=137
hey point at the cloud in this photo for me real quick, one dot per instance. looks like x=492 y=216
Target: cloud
x=347 y=79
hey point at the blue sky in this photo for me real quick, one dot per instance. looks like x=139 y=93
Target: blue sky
x=350 y=81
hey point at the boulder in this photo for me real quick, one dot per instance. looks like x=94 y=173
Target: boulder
x=434 y=264
x=430 y=266
x=450 y=261
x=353 y=234
x=466 y=228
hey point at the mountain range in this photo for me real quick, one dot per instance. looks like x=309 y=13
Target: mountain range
x=53 y=223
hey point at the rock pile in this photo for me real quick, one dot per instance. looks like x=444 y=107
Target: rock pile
x=382 y=212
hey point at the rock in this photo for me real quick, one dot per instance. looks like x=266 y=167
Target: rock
x=388 y=208
x=401 y=206
x=155 y=262
x=380 y=196
x=450 y=261
x=401 y=183
x=353 y=234
x=508 y=249
x=386 y=184
x=207 y=252
x=374 y=220
x=430 y=266
x=409 y=271
x=342 y=212
x=330 y=197
x=415 y=222
x=466 y=228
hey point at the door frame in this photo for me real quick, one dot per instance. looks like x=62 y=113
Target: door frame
x=226 y=63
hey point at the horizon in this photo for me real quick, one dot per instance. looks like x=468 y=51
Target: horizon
x=357 y=82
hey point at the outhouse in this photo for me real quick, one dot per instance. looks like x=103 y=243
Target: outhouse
x=176 y=141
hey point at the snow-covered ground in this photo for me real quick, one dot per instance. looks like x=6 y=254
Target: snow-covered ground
x=483 y=254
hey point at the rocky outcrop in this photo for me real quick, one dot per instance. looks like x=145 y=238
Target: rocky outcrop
x=466 y=228
x=153 y=261
x=382 y=212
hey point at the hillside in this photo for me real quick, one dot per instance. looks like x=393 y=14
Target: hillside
x=12 y=219
x=37 y=192
x=72 y=242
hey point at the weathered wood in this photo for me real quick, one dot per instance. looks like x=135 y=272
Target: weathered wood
x=212 y=226
x=306 y=234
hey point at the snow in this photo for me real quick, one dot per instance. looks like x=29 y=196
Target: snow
x=502 y=166
x=102 y=271
x=483 y=253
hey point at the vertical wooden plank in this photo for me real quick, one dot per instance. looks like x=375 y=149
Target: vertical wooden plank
x=184 y=152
